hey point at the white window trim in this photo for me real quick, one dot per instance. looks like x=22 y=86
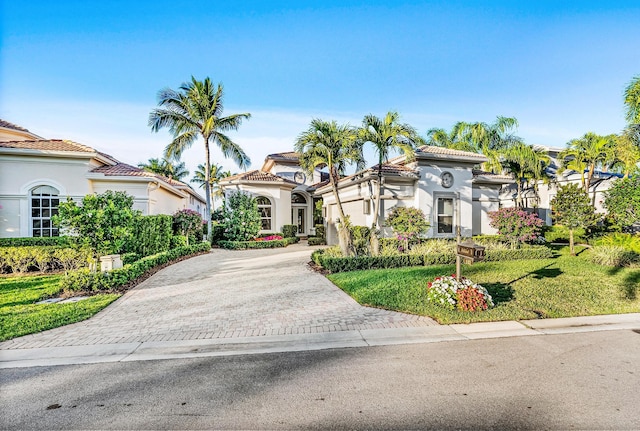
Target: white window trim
x=455 y=198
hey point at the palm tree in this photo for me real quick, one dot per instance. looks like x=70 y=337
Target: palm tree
x=335 y=146
x=627 y=152
x=165 y=167
x=632 y=101
x=525 y=162
x=216 y=174
x=194 y=111
x=456 y=139
x=387 y=134
x=593 y=150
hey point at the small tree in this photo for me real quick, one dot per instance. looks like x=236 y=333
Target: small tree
x=407 y=223
x=572 y=208
x=622 y=201
x=103 y=223
x=188 y=223
x=241 y=217
x=516 y=225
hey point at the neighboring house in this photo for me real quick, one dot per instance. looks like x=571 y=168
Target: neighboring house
x=441 y=182
x=36 y=174
x=285 y=193
x=540 y=201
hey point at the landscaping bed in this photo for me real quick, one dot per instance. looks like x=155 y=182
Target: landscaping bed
x=564 y=286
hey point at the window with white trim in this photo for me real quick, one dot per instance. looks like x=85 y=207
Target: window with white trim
x=444 y=215
x=264 y=208
x=44 y=205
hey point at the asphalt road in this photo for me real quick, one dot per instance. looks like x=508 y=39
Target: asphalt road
x=571 y=381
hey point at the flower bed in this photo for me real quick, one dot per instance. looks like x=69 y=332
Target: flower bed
x=463 y=294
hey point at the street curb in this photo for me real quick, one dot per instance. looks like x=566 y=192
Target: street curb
x=145 y=351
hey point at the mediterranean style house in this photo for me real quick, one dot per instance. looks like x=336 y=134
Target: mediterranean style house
x=37 y=173
x=443 y=183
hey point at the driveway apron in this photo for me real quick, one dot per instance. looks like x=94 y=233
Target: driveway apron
x=225 y=294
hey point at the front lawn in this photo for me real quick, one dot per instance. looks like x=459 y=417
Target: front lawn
x=565 y=286
x=19 y=315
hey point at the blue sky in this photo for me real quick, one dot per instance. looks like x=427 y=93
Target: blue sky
x=90 y=71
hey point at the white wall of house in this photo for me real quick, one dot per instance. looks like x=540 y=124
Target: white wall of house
x=486 y=198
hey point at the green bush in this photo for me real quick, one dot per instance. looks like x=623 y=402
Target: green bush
x=313 y=240
x=151 y=235
x=178 y=241
x=60 y=241
x=320 y=231
x=85 y=280
x=241 y=217
x=560 y=234
x=128 y=258
x=341 y=264
x=188 y=223
x=625 y=240
x=361 y=239
x=244 y=245
x=41 y=258
x=614 y=255
x=217 y=232
x=289 y=230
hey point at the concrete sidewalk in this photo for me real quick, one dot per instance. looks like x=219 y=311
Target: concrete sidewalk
x=254 y=301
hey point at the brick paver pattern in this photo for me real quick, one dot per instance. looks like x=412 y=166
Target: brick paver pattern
x=225 y=294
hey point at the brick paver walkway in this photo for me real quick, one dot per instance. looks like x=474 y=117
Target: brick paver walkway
x=225 y=294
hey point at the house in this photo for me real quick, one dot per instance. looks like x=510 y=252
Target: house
x=37 y=173
x=444 y=183
x=538 y=200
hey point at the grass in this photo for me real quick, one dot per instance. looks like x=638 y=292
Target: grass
x=564 y=286
x=19 y=315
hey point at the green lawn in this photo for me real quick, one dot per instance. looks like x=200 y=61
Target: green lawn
x=19 y=315
x=522 y=289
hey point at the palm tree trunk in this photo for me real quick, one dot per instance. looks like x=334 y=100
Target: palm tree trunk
x=519 y=203
x=592 y=169
x=344 y=235
x=207 y=186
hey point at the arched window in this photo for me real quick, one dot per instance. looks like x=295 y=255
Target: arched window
x=297 y=198
x=44 y=205
x=264 y=208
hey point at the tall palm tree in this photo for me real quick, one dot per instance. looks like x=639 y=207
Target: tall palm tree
x=195 y=111
x=594 y=151
x=627 y=152
x=525 y=162
x=632 y=101
x=216 y=174
x=165 y=167
x=386 y=135
x=325 y=143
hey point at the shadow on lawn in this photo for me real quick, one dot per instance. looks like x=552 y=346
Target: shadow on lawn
x=500 y=292
x=631 y=282
x=539 y=274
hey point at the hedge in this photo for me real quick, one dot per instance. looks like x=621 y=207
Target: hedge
x=289 y=230
x=85 y=280
x=151 y=235
x=244 y=245
x=313 y=240
x=58 y=241
x=40 y=258
x=342 y=264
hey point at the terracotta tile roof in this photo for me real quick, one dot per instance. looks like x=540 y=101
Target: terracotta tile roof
x=392 y=168
x=258 y=176
x=122 y=169
x=288 y=155
x=8 y=125
x=320 y=184
x=48 y=145
x=430 y=149
x=478 y=174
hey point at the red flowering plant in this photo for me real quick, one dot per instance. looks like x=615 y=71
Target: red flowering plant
x=463 y=294
x=269 y=238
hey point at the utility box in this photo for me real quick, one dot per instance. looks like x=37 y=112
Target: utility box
x=110 y=262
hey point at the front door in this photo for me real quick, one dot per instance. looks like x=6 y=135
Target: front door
x=298 y=218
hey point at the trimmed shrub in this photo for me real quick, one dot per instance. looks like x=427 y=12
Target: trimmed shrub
x=85 y=280
x=151 y=235
x=178 y=241
x=342 y=264
x=60 y=241
x=188 y=223
x=217 y=232
x=128 y=258
x=314 y=240
x=26 y=258
x=289 y=230
x=241 y=217
x=320 y=231
x=244 y=245
x=516 y=225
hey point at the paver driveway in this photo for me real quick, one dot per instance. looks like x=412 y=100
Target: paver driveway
x=225 y=294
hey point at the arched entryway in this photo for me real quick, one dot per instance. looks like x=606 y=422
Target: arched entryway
x=299 y=209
